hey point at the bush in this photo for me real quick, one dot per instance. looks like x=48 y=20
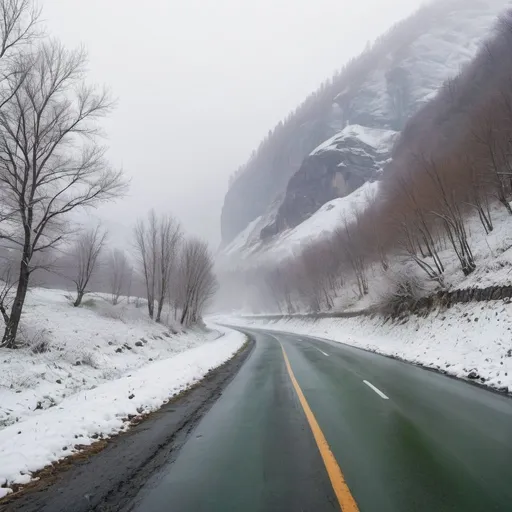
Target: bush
x=88 y=358
x=39 y=341
x=404 y=289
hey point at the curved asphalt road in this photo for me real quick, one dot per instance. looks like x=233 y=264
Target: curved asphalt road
x=406 y=440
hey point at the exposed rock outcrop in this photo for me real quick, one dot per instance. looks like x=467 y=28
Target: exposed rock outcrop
x=335 y=169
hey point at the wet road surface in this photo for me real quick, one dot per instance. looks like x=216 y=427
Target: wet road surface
x=402 y=438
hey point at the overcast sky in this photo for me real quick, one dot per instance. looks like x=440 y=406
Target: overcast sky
x=200 y=82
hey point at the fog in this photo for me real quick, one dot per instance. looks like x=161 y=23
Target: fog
x=200 y=82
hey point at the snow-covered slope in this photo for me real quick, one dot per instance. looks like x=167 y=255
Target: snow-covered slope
x=67 y=349
x=369 y=106
x=324 y=222
x=80 y=373
x=79 y=420
x=407 y=77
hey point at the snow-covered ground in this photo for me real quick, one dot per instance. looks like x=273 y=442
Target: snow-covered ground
x=493 y=257
x=70 y=349
x=84 y=370
x=321 y=224
x=467 y=341
x=492 y=252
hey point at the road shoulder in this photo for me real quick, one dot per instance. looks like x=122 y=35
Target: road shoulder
x=109 y=474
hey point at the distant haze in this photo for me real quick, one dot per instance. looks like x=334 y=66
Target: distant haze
x=200 y=82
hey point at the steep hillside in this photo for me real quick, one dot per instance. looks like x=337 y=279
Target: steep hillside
x=439 y=219
x=343 y=135
x=322 y=223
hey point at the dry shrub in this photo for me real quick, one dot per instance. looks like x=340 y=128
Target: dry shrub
x=403 y=290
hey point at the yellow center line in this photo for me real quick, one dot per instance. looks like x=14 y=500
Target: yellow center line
x=345 y=498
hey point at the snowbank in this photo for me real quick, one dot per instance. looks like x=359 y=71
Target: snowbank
x=467 y=341
x=37 y=441
x=73 y=349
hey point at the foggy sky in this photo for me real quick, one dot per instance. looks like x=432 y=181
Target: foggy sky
x=200 y=82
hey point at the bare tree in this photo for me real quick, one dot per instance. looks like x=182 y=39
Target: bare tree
x=478 y=195
x=169 y=236
x=86 y=252
x=314 y=277
x=156 y=241
x=408 y=241
x=418 y=227
x=18 y=20
x=120 y=274
x=50 y=160
x=18 y=29
x=449 y=210
x=199 y=283
x=495 y=138
x=353 y=252
x=146 y=245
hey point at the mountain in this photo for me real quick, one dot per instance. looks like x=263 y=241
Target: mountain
x=343 y=135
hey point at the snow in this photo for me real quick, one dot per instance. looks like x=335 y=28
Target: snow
x=493 y=257
x=433 y=56
x=492 y=252
x=322 y=223
x=76 y=371
x=243 y=238
x=329 y=217
x=379 y=139
x=442 y=43
x=38 y=441
x=466 y=338
x=79 y=349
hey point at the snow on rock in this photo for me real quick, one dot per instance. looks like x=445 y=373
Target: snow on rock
x=322 y=223
x=452 y=35
x=38 y=441
x=471 y=341
x=329 y=217
x=379 y=139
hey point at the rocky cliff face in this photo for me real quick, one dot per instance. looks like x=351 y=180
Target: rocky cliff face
x=334 y=169
x=343 y=135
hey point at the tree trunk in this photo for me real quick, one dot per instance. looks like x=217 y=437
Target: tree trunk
x=505 y=203
x=184 y=315
x=79 y=297
x=159 y=310
x=11 y=329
